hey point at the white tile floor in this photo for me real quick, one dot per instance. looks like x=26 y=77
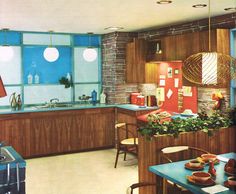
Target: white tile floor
x=81 y=173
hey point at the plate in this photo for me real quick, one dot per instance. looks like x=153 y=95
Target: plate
x=209 y=182
x=187 y=165
x=232 y=187
x=230 y=174
x=142 y=107
x=187 y=115
x=216 y=161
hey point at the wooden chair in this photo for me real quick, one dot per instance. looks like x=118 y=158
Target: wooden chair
x=131 y=188
x=127 y=141
x=179 y=153
x=165 y=153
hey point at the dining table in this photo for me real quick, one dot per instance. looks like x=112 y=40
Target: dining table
x=177 y=173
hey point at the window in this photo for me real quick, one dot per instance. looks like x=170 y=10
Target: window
x=29 y=62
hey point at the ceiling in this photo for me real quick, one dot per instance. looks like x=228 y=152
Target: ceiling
x=82 y=16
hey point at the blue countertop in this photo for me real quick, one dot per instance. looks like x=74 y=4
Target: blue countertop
x=43 y=109
x=18 y=159
x=136 y=107
x=75 y=107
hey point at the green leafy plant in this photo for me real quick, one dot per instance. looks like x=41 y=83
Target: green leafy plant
x=208 y=124
x=65 y=81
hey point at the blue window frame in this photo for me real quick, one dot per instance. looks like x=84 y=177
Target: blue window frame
x=32 y=62
x=233 y=54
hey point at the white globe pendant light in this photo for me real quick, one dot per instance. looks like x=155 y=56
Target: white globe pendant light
x=90 y=54
x=6 y=51
x=51 y=54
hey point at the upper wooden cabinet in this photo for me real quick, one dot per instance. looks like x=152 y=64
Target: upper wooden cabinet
x=180 y=47
x=135 y=61
x=169 y=48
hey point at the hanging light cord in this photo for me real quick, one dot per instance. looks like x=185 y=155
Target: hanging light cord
x=4 y=30
x=209 y=25
x=89 y=39
x=50 y=39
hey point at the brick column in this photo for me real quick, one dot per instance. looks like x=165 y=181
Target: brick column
x=114 y=67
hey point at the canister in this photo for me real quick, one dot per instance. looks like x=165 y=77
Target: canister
x=140 y=100
x=151 y=100
x=133 y=97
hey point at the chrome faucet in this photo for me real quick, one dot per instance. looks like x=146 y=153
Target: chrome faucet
x=53 y=102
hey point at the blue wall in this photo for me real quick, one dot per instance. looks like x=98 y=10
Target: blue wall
x=49 y=72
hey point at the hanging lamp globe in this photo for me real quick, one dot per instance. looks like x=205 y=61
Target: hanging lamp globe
x=90 y=54
x=6 y=53
x=209 y=68
x=51 y=54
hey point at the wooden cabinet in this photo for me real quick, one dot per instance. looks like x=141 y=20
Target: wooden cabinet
x=135 y=61
x=47 y=133
x=180 y=47
x=169 y=48
x=14 y=131
x=177 y=47
x=152 y=73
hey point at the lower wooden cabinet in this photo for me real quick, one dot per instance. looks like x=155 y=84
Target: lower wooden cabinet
x=47 y=133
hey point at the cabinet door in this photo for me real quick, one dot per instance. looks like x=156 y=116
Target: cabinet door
x=130 y=74
x=181 y=47
x=94 y=129
x=192 y=46
x=43 y=137
x=140 y=59
x=135 y=61
x=169 y=48
x=15 y=132
x=223 y=41
x=204 y=41
x=151 y=73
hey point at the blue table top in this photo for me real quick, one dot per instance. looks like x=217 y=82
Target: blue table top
x=18 y=159
x=177 y=173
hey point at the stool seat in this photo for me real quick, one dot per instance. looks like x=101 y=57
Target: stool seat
x=130 y=141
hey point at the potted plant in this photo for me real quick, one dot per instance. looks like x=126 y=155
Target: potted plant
x=204 y=122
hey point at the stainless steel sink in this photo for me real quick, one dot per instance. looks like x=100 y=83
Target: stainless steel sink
x=6 y=156
x=56 y=105
x=62 y=105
